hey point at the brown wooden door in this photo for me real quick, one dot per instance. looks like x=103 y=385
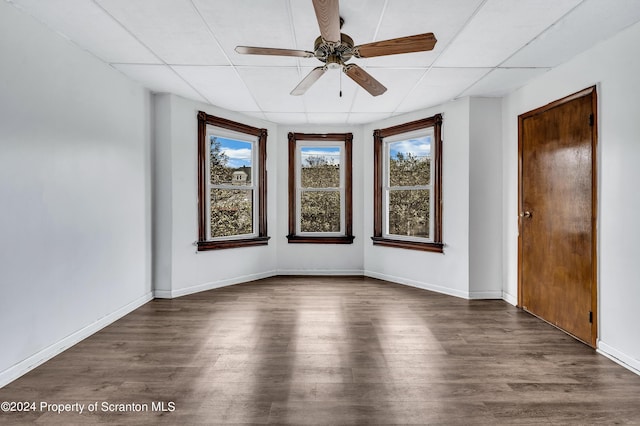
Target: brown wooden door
x=557 y=214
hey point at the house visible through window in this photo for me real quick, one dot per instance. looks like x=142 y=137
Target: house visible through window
x=320 y=188
x=231 y=184
x=407 y=185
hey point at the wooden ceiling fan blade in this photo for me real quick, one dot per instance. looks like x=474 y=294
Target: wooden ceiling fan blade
x=308 y=81
x=364 y=79
x=251 y=50
x=395 y=46
x=328 y=16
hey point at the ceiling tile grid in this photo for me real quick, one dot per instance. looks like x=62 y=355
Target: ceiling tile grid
x=440 y=85
x=86 y=24
x=172 y=29
x=187 y=47
x=500 y=28
x=160 y=79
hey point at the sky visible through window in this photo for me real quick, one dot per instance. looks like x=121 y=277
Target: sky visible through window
x=329 y=153
x=238 y=152
x=419 y=147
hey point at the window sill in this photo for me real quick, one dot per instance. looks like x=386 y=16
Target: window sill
x=343 y=239
x=411 y=245
x=227 y=244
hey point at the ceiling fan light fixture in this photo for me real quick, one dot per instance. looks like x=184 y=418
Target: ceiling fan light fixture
x=334 y=62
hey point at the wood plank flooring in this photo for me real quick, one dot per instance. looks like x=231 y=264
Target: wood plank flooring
x=330 y=350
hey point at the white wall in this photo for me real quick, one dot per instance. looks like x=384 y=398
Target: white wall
x=614 y=66
x=449 y=272
x=485 y=198
x=323 y=259
x=180 y=268
x=75 y=235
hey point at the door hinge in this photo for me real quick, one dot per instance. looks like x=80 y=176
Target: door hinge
x=591 y=120
x=590 y=317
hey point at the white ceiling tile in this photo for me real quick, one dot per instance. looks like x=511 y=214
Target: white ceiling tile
x=441 y=85
x=500 y=28
x=220 y=85
x=501 y=81
x=431 y=97
x=271 y=87
x=90 y=28
x=584 y=27
x=366 y=117
x=170 y=28
x=159 y=79
x=327 y=117
x=454 y=77
x=398 y=82
x=443 y=18
x=361 y=19
x=287 y=117
x=250 y=23
x=255 y=114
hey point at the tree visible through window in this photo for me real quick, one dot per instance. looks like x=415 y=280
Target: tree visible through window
x=231 y=184
x=407 y=185
x=320 y=188
x=232 y=190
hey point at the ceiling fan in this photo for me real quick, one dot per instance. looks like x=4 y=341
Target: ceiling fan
x=334 y=49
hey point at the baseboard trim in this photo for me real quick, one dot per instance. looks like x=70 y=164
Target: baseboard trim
x=23 y=367
x=321 y=272
x=485 y=295
x=509 y=298
x=418 y=284
x=619 y=357
x=170 y=294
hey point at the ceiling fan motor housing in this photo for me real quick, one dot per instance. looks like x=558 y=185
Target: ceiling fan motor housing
x=334 y=54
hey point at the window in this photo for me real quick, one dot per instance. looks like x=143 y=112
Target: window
x=231 y=184
x=408 y=185
x=320 y=209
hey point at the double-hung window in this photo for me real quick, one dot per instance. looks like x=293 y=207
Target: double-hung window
x=231 y=184
x=407 y=185
x=320 y=209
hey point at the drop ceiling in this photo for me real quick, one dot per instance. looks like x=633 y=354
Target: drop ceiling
x=186 y=47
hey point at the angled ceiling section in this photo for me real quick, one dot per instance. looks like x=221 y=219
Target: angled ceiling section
x=160 y=79
x=440 y=85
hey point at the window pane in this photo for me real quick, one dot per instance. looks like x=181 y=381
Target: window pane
x=320 y=211
x=230 y=161
x=410 y=162
x=320 y=167
x=409 y=212
x=231 y=212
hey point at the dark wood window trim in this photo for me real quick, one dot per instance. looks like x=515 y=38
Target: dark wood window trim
x=378 y=157
x=205 y=119
x=348 y=237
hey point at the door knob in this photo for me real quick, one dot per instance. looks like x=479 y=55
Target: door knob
x=525 y=214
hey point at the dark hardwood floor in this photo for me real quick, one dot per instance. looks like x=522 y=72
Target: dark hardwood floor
x=331 y=350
